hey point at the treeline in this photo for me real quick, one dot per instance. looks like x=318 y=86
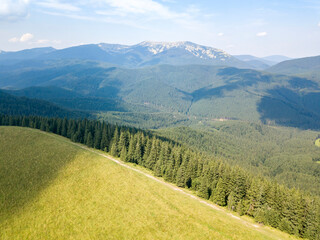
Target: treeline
x=268 y=202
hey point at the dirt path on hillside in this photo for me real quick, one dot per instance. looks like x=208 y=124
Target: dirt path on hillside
x=173 y=187
x=211 y=205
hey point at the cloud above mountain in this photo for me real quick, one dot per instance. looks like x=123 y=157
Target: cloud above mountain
x=261 y=34
x=24 y=38
x=12 y=10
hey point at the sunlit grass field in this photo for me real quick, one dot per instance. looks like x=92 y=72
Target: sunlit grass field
x=52 y=189
x=317 y=142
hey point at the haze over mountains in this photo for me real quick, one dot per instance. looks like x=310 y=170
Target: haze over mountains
x=144 y=54
x=262 y=63
x=180 y=77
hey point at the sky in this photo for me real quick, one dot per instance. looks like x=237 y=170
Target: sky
x=255 y=27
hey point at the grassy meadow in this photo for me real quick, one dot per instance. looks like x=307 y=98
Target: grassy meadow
x=53 y=189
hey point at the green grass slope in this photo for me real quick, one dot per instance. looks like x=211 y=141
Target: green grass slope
x=53 y=189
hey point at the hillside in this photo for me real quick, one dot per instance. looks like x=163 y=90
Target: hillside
x=13 y=105
x=297 y=66
x=193 y=90
x=58 y=190
x=255 y=62
x=286 y=155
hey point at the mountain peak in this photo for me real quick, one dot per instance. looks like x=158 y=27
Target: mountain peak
x=197 y=50
x=112 y=47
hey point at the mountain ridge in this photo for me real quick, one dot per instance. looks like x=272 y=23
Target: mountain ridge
x=146 y=53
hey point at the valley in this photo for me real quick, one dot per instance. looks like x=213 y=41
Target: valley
x=241 y=137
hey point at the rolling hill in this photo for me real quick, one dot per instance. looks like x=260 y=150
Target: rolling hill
x=262 y=63
x=297 y=66
x=27 y=54
x=58 y=190
x=193 y=90
x=255 y=62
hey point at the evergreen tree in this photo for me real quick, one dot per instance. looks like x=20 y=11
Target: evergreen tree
x=153 y=156
x=181 y=175
x=123 y=154
x=131 y=149
x=219 y=194
x=114 y=150
x=104 y=139
x=89 y=140
x=97 y=138
x=138 y=151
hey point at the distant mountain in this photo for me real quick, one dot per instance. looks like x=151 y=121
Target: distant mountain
x=261 y=63
x=276 y=58
x=297 y=66
x=139 y=55
x=255 y=62
x=11 y=57
x=258 y=65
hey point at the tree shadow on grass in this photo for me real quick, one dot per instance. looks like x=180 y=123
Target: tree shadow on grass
x=29 y=162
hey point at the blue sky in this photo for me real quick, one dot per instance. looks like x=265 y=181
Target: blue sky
x=260 y=27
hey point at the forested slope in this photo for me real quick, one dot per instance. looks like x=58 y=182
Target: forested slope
x=13 y=105
x=287 y=155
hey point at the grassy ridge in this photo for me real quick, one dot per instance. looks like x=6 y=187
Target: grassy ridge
x=56 y=190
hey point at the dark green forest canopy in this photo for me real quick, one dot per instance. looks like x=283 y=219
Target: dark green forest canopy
x=13 y=105
x=193 y=90
x=287 y=155
x=268 y=202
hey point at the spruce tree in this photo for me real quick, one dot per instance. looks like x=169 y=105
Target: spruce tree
x=123 y=154
x=89 y=140
x=219 y=194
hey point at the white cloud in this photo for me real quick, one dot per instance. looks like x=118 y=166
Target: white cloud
x=42 y=41
x=14 y=39
x=319 y=24
x=146 y=7
x=12 y=10
x=261 y=34
x=144 y=12
x=134 y=13
x=52 y=4
x=26 y=37
x=220 y=34
x=47 y=41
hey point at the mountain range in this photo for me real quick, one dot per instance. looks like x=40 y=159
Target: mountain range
x=262 y=63
x=180 y=77
x=139 y=55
